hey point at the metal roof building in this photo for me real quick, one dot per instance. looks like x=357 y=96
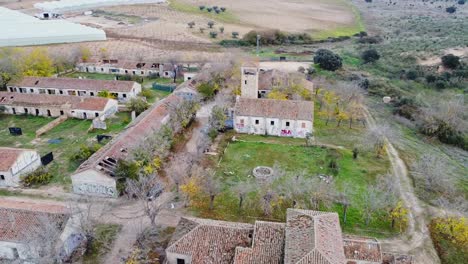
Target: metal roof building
x=19 y=29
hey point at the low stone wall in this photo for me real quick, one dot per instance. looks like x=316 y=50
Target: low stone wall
x=49 y=126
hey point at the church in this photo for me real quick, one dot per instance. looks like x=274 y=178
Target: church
x=255 y=115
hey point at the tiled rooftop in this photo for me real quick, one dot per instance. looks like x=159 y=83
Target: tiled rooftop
x=283 y=109
x=62 y=101
x=18 y=219
x=76 y=84
x=8 y=157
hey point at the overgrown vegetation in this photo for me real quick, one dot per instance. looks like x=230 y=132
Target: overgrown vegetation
x=450 y=236
x=37 y=178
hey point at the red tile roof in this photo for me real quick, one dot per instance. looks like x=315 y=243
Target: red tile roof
x=210 y=241
x=18 y=220
x=313 y=237
x=267 y=246
x=61 y=101
x=8 y=157
x=76 y=84
x=283 y=109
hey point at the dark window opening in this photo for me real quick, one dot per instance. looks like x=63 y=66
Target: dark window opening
x=272 y=123
x=25 y=110
x=37 y=112
x=61 y=92
x=31 y=90
x=180 y=261
x=91 y=93
x=2 y=177
x=96 y=114
x=245 y=81
x=48 y=113
x=287 y=124
x=257 y=121
x=124 y=95
x=14 y=111
x=61 y=112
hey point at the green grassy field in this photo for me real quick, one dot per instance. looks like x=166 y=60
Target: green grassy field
x=70 y=135
x=242 y=156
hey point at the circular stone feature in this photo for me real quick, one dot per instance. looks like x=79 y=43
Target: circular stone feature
x=262 y=172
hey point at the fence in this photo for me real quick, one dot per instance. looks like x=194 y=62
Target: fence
x=162 y=87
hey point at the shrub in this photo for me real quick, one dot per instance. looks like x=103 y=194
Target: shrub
x=223 y=9
x=36 y=178
x=450 y=61
x=234 y=43
x=201 y=7
x=84 y=152
x=209 y=9
x=207 y=90
x=191 y=24
x=213 y=34
x=451 y=9
x=461 y=2
x=440 y=84
x=431 y=78
x=370 y=55
x=449 y=237
x=235 y=35
x=139 y=105
x=370 y=40
x=276 y=37
x=146 y=93
x=328 y=60
x=221 y=29
x=411 y=75
x=210 y=24
x=202 y=30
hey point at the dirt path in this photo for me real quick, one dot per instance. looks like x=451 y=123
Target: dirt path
x=202 y=120
x=417 y=240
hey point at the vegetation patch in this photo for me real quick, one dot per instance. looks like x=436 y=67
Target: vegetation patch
x=450 y=237
x=101 y=243
x=64 y=141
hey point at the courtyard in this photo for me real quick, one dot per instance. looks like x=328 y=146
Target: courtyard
x=294 y=159
x=63 y=141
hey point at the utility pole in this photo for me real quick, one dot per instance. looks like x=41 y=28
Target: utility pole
x=258 y=44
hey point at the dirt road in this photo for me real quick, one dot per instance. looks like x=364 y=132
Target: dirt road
x=416 y=241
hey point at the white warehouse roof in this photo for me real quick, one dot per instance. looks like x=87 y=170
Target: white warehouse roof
x=19 y=29
x=68 y=5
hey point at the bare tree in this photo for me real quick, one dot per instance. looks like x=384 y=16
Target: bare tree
x=321 y=192
x=372 y=202
x=180 y=168
x=343 y=197
x=212 y=187
x=146 y=190
x=376 y=137
x=242 y=189
x=433 y=174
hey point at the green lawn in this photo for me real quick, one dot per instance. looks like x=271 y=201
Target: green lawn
x=242 y=156
x=92 y=76
x=71 y=134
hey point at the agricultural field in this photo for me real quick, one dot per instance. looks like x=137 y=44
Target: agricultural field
x=64 y=141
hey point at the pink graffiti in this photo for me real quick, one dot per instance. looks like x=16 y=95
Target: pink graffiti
x=286 y=132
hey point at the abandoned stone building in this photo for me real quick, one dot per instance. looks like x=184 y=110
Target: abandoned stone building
x=120 y=67
x=273 y=117
x=96 y=176
x=307 y=237
x=255 y=115
x=121 y=90
x=56 y=106
x=26 y=227
x=15 y=163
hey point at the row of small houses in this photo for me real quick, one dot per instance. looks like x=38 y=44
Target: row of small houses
x=120 y=67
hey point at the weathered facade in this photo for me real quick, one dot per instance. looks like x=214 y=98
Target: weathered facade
x=121 y=90
x=15 y=163
x=26 y=226
x=55 y=106
x=96 y=176
x=283 y=118
x=119 y=67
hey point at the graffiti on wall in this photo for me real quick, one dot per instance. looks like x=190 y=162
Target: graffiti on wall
x=94 y=189
x=286 y=132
